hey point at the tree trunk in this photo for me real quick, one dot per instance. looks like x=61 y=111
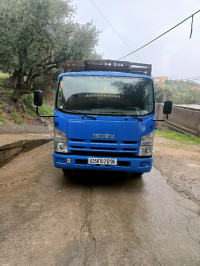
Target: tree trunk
x=20 y=73
x=20 y=85
x=13 y=79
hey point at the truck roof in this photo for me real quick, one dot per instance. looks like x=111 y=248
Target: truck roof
x=108 y=65
x=104 y=73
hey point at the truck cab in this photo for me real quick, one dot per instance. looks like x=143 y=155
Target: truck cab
x=104 y=116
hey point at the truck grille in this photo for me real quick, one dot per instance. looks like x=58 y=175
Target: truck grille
x=108 y=148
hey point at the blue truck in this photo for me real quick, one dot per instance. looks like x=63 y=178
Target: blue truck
x=104 y=117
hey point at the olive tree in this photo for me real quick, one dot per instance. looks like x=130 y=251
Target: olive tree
x=37 y=36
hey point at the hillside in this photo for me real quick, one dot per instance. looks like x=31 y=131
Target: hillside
x=10 y=115
x=179 y=92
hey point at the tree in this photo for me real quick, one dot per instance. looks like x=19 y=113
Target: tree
x=37 y=36
x=163 y=92
x=182 y=92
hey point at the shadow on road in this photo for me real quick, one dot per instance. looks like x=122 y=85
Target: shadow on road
x=101 y=178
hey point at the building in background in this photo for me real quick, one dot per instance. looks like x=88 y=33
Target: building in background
x=162 y=79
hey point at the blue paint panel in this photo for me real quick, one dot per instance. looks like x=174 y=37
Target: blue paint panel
x=128 y=128
x=118 y=130
x=127 y=133
x=141 y=165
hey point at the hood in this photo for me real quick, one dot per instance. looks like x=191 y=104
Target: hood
x=104 y=130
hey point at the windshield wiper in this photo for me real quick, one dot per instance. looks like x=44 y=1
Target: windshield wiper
x=104 y=113
x=122 y=114
x=79 y=113
x=137 y=117
x=94 y=117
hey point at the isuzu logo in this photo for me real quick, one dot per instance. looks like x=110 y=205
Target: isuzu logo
x=103 y=136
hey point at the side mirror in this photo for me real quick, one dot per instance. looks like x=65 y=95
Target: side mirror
x=38 y=98
x=167 y=108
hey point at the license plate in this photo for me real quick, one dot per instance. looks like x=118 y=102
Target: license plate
x=105 y=161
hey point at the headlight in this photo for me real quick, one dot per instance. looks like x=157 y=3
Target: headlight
x=60 y=141
x=146 y=145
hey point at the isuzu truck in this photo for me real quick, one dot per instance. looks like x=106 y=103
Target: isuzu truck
x=104 y=116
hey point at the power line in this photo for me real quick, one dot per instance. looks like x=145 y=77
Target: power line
x=109 y=23
x=191 y=16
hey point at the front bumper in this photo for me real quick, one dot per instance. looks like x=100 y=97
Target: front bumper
x=135 y=165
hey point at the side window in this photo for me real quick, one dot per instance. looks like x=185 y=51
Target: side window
x=148 y=98
x=60 y=99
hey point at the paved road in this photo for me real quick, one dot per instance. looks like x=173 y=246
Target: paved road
x=92 y=219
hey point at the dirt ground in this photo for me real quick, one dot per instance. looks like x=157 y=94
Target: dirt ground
x=92 y=219
x=180 y=164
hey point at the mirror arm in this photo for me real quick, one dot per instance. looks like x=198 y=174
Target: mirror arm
x=37 y=112
x=160 y=120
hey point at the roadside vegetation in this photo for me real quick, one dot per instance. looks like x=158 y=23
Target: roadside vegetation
x=173 y=135
x=180 y=92
x=36 y=38
x=9 y=114
x=29 y=110
x=2 y=120
x=3 y=76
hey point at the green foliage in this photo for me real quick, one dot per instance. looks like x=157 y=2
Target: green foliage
x=45 y=110
x=4 y=91
x=178 y=92
x=17 y=118
x=30 y=109
x=37 y=36
x=10 y=91
x=173 y=135
x=3 y=76
x=28 y=103
x=2 y=120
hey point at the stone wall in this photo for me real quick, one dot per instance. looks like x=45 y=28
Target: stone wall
x=183 y=119
x=22 y=129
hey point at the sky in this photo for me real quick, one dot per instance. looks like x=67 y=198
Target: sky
x=174 y=55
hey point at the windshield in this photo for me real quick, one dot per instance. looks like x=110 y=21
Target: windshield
x=107 y=95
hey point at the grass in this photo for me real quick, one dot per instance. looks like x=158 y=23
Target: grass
x=28 y=102
x=30 y=110
x=17 y=118
x=3 y=75
x=2 y=120
x=45 y=110
x=173 y=135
